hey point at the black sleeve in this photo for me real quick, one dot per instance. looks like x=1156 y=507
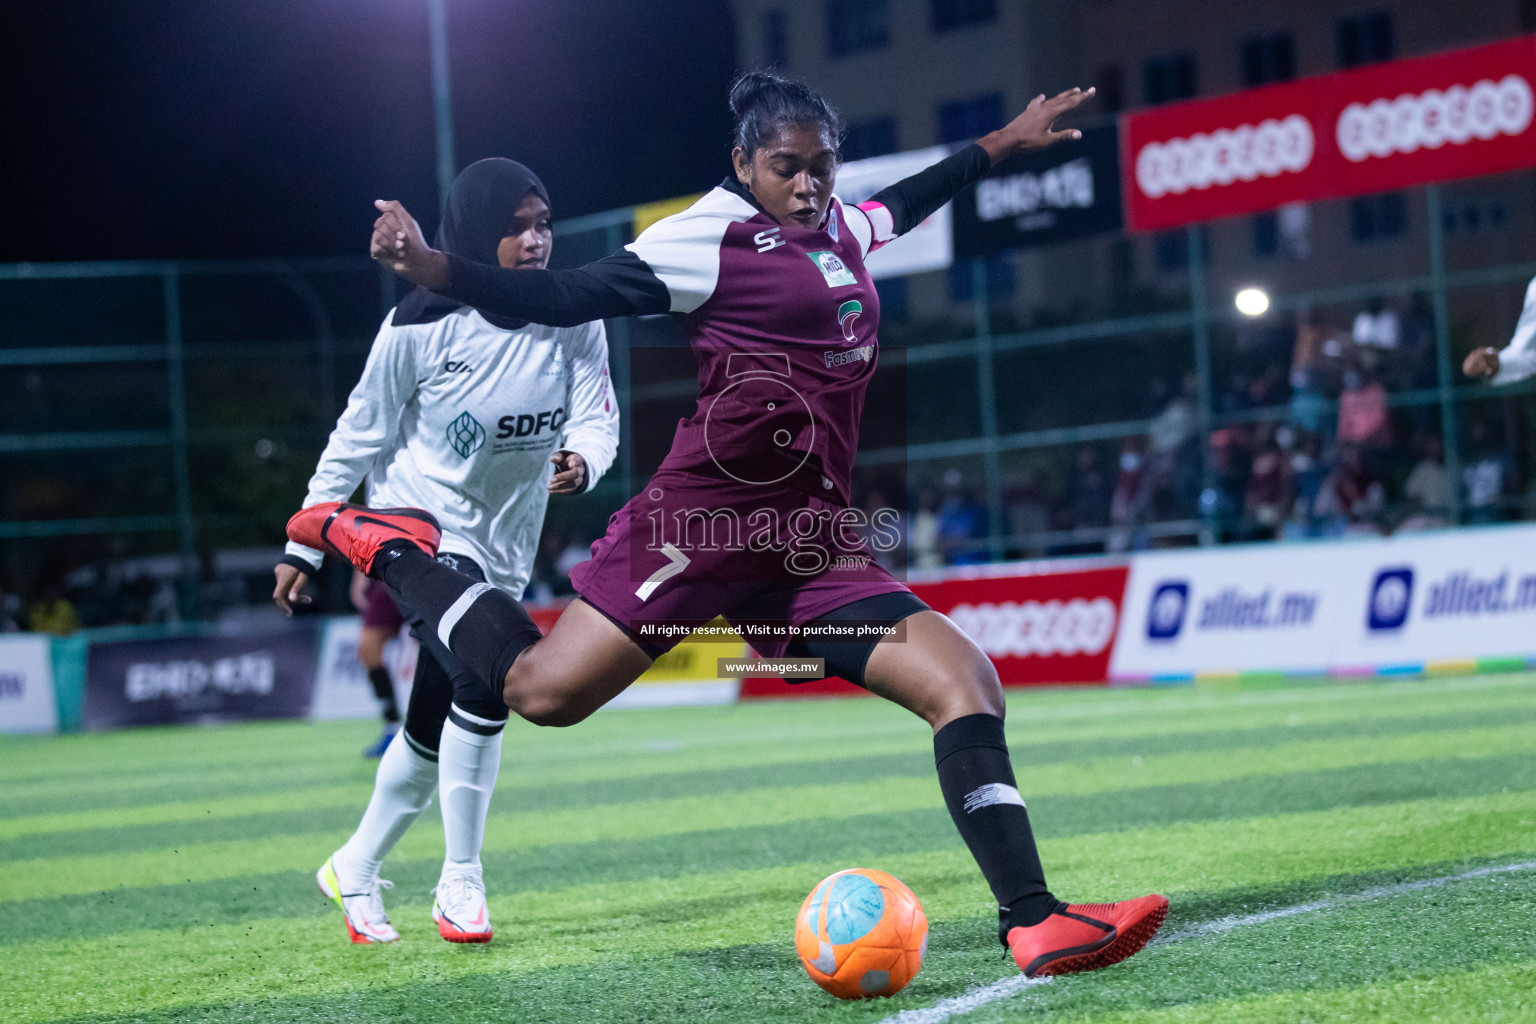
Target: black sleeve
x=619 y=285
x=911 y=200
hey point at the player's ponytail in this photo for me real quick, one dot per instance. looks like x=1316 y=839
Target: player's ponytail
x=764 y=102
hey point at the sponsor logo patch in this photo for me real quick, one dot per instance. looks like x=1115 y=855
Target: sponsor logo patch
x=832 y=268
x=862 y=354
x=847 y=313
x=466 y=435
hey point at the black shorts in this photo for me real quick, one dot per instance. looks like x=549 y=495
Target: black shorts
x=848 y=658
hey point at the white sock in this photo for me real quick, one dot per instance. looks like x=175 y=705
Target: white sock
x=401 y=790
x=467 y=765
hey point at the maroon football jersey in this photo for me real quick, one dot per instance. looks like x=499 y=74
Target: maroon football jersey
x=782 y=320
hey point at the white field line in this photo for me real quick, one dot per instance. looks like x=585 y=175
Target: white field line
x=975 y=999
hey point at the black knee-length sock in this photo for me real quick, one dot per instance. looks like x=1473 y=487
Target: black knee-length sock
x=480 y=624
x=978 y=785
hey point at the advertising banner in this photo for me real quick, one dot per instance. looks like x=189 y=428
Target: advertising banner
x=201 y=678
x=929 y=246
x=1053 y=195
x=1038 y=628
x=1388 y=126
x=688 y=674
x=1040 y=625
x=342 y=689
x=26 y=685
x=1270 y=607
x=1453 y=601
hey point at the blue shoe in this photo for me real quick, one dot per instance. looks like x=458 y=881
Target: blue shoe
x=382 y=743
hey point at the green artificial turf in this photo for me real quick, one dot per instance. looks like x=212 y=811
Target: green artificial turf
x=646 y=865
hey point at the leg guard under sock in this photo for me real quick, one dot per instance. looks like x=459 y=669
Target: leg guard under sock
x=467 y=764
x=484 y=627
x=384 y=690
x=402 y=789
x=977 y=780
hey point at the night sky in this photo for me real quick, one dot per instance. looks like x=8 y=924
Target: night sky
x=195 y=128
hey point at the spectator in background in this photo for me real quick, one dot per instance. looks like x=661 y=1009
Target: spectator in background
x=1352 y=497
x=1428 y=490
x=1028 y=514
x=1363 y=420
x=573 y=553
x=1485 y=476
x=1168 y=455
x=1416 y=354
x=1090 y=492
x=1308 y=475
x=10 y=611
x=1313 y=358
x=1267 y=388
x=1377 y=327
x=1376 y=337
x=1268 y=497
x=381 y=622
x=962 y=519
x=52 y=612
x=925 y=532
x=1230 y=463
x=1128 y=501
x=893 y=558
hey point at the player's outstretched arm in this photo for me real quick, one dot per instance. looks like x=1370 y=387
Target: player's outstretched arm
x=899 y=208
x=621 y=285
x=399 y=244
x=1036 y=127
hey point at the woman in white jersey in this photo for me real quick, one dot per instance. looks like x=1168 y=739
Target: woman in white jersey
x=481 y=418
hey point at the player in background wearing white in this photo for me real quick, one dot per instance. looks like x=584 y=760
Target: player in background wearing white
x=1515 y=361
x=479 y=418
x=381 y=624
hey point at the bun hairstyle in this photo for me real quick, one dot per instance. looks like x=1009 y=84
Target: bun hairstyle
x=764 y=102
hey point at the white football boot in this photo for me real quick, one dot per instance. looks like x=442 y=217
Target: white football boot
x=460 y=909
x=362 y=909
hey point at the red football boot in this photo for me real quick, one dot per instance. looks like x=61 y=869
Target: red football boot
x=358 y=533
x=1087 y=936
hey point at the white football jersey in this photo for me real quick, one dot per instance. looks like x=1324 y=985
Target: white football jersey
x=460 y=417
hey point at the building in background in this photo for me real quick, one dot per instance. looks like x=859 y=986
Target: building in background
x=911 y=73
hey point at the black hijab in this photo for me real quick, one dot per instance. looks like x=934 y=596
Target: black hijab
x=480 y=206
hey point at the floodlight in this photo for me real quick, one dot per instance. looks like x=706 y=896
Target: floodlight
x=1252 y=302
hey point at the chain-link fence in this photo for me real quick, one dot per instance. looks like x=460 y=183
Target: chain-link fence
x=157 y=419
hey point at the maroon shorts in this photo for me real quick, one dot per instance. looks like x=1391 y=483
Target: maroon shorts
x=379 y=611
x=686 y=550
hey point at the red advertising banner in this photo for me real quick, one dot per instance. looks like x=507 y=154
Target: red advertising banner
x=1045 y=628
x=1408 y=122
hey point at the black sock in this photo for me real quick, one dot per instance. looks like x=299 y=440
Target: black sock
x=487 y=628
x=978 y=786
x=384 y=689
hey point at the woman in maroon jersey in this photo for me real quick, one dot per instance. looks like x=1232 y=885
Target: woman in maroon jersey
x=748 y=516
